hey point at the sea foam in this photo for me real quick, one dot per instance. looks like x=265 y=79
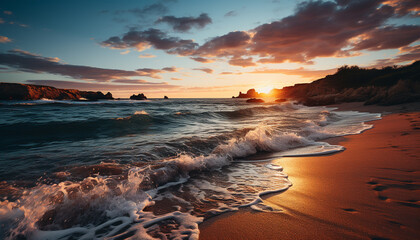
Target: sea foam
x=178 y=192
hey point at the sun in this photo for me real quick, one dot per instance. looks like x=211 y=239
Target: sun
x=265 y=89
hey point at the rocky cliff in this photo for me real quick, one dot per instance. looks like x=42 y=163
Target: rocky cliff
x=385 y=86
x=17 y=91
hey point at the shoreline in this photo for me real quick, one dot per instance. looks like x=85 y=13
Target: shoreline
x=369 y=191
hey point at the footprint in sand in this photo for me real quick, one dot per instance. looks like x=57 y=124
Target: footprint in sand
x=350 y=210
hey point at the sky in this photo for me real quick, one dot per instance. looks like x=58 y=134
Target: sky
x=195 y=48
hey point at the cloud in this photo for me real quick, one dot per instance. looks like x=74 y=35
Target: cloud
x=142 y=13
x=29 y=62
x=184 y=24
x=231 y=14
x=125 y=52
x=243 y=62
x=406 y=54
x=388 y=38
x=153 y=9
x=147 y=55
x=170 y=69
x=19 y=24
x=340 y=28
x=176 y=79
x=202 y=60
x=219 y=88
x=317 y=29
x=2 y=21
x=206 y=70
x=405 y=7
x=137 y=81
x=142 y=40
x=101 y=86
x=229 y=44
x=230 y=73
x=4 y=39
x=305 y=73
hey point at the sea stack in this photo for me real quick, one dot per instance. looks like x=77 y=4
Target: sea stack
x=139 y=96
x=254 y=100
x=165 y=97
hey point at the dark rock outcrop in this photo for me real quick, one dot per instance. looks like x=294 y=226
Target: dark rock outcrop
x=385 y=86
x=17 y=91
x=95 y=95
x=251 y=93
x=165 y=97
x=254 y=100
x=139 y=96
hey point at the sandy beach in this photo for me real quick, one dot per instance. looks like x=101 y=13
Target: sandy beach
x=369 y=191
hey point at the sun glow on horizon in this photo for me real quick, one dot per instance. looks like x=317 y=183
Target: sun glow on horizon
x=265 y=89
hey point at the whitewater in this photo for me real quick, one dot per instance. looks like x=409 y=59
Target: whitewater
x=155 y=169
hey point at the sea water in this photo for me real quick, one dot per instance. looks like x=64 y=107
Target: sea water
x=122 y=169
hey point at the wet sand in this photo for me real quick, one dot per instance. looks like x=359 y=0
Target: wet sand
x=369 y=191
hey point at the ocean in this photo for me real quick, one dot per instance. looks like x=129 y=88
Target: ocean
x=122 y=169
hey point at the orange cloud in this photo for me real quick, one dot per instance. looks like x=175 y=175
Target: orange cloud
x=4 y=39
x=305 y=73
x=147 y=55
x=206 y=70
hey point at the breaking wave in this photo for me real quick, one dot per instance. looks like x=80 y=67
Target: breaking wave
x=167 y=198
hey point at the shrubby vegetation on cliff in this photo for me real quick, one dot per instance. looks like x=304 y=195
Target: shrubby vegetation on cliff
x=386 y=86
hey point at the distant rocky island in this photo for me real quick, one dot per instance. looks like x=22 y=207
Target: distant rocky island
x=385 y=86
x=139 y=96
x=17 y=91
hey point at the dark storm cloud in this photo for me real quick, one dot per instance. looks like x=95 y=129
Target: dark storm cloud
x=29 y=62
x=184 y=24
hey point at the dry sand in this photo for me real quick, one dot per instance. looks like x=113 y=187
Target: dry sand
x=369 y=191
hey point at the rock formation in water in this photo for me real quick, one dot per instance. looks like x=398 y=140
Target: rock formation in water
x=165 y=97
x=139 y=96
x=17 y=91
x=254 y=100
